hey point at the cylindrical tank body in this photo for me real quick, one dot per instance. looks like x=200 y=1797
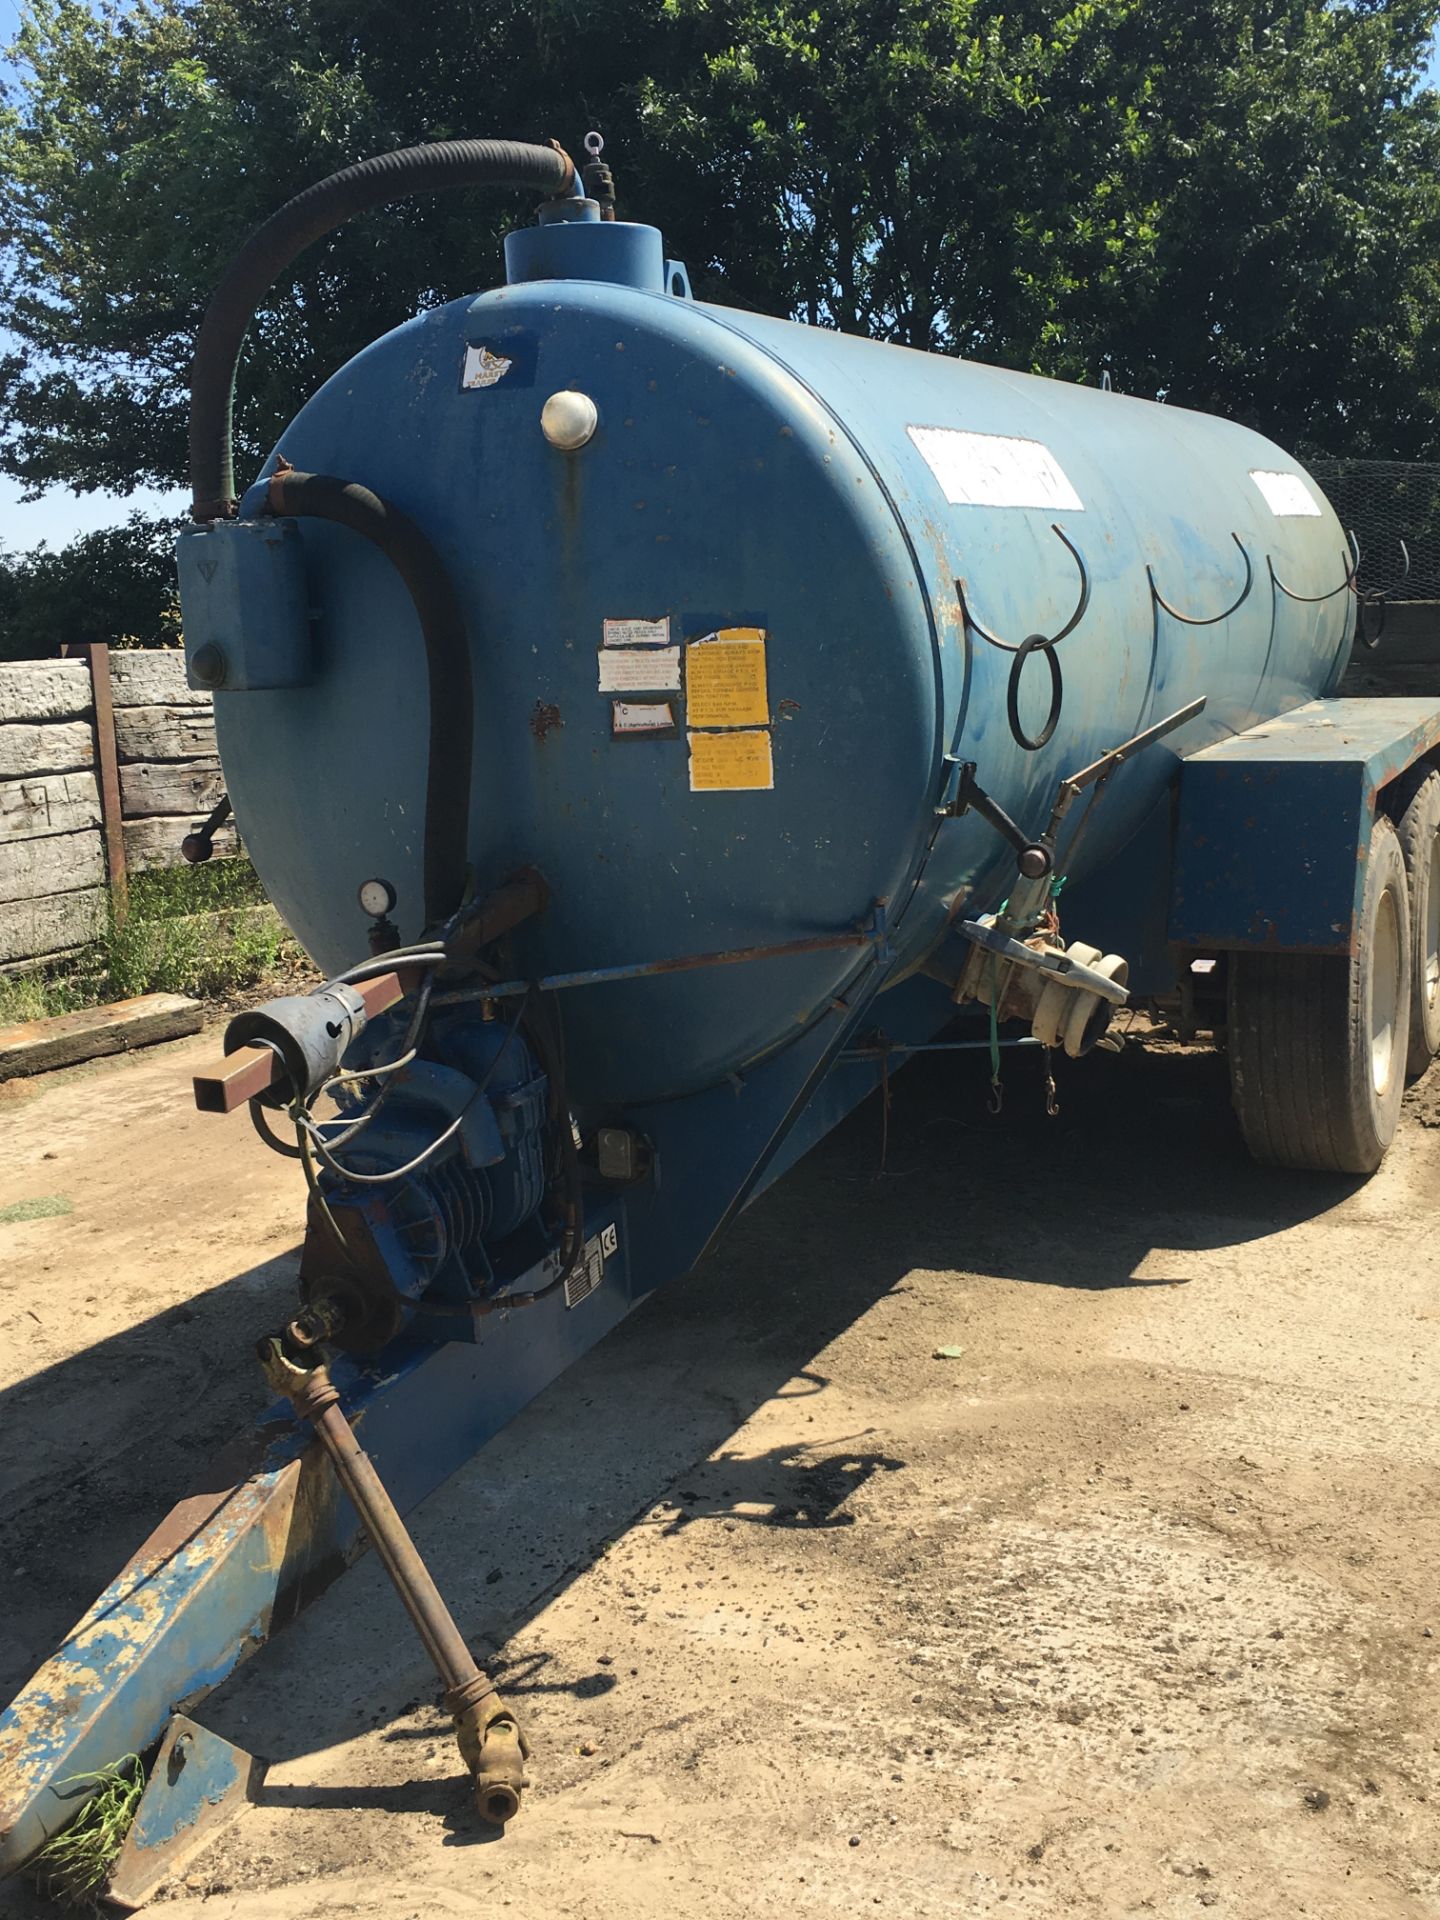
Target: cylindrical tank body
x=827 y=491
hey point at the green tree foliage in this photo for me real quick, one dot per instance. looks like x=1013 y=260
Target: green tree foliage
x=1234 y=202
x=116 y=585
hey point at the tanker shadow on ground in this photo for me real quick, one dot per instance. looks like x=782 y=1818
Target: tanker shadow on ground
x=1144 y=1144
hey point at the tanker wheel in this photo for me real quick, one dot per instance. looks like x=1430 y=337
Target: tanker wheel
x=1420 y=842
x=1318 y=1042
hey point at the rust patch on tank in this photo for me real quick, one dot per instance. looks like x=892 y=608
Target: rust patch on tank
x=544 y=718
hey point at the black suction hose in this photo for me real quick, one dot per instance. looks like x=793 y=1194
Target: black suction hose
x=320 y=496
x=264 y=256
x=286 y=234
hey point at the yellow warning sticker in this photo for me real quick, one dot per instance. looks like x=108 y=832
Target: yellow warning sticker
x=725 y=679
x=735 y=762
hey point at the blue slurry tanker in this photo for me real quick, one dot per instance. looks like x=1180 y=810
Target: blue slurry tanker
x=657 y=720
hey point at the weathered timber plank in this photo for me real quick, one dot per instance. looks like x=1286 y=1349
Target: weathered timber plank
x=152 y=677
x=181 y=787
x=59 y=863
x=14 y=969
x=165 y=733
x=44 y=690
x=31 y=928
x=49 y=803
x=54 y=747
x=40 y=1045
x=156 y=843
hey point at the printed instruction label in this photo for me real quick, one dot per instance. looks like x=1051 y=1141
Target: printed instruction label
x=737 y=762
x=637 y=633
x=725 y=679
x=1286 y=495
x=642 y=716
x=639 y=669
x=483 y=368
x=995 y=470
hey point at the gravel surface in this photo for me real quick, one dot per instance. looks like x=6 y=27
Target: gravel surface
x=1045 y=1524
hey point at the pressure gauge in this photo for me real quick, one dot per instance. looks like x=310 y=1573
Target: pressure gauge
x=377 y=898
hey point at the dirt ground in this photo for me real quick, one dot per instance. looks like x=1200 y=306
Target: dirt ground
x=1129 y=1607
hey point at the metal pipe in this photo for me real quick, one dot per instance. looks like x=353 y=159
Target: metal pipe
x=872 y=1056
x=390 y=1537
x=489 y=1737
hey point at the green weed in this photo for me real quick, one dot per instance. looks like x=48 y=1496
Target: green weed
x=50 y=1206
x=206 y=931
x=74 y=1866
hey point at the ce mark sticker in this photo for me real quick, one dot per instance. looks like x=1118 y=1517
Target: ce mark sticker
x=590 y=1268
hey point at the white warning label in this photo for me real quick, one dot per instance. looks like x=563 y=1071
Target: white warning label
x=994 y=470
x=637 y=633
x=639 y=669
x=1286 y=495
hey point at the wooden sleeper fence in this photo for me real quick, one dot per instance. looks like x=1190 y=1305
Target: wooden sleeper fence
x=106 y=761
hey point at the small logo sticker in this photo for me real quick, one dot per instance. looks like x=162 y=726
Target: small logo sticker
x=483 y=368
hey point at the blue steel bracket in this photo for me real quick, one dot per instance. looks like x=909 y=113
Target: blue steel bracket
x=246 y=606
x=1274 y=824
x=198 y=1784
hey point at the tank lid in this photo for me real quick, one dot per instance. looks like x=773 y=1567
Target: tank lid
x=574 y=243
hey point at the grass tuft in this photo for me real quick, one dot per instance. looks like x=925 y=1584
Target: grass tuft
x=206 y=931
x=73 y=1867
x=49 y=1206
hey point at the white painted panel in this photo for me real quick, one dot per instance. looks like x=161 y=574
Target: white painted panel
x=994 y=470
x=1286 y=495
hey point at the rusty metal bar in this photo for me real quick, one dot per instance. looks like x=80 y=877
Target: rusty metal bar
x=413 y=1581
x=515 y=900
x=107 y=760
x=249 y=1071
x=488 y=1734
x=870 y=935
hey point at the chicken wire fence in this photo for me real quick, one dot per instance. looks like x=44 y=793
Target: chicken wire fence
x=1391 y=508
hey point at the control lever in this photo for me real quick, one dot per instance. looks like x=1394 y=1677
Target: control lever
x=199 y=843
x=1018 y=965
x=1035 y=859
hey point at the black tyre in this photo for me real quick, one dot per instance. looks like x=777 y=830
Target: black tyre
x=1318 y=1042
x=1420 y=843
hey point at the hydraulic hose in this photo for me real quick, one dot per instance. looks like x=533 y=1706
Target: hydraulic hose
x=321 y=496
x=286 y=234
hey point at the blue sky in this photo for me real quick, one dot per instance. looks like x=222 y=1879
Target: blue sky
x=60 y=515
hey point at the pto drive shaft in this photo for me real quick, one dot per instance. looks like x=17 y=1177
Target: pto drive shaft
x=489 y=1737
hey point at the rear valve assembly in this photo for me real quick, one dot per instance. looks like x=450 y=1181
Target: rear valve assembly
x=1018 y=964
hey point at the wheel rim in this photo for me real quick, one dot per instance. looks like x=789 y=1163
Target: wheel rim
x=1384 y=989
x=1430 y=957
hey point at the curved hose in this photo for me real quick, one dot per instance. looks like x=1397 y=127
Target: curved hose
x=286 y=234
x=447 y=655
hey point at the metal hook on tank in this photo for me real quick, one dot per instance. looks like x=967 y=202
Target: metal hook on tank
x=1214 y=619
x=1049 y=640
x=1313 y=599
x=1034 y=643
